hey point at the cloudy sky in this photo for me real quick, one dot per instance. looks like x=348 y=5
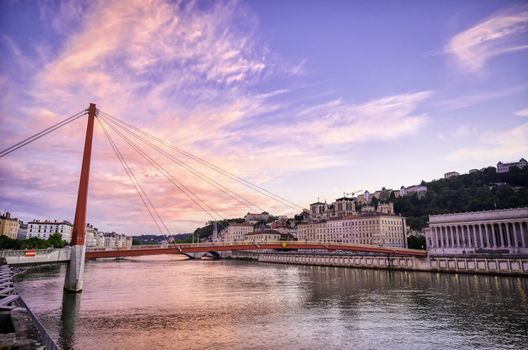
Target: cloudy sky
x=308 y=99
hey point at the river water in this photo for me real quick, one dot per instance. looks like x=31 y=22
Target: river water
x=162 y=303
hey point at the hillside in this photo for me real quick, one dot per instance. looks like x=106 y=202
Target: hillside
x=483 y=190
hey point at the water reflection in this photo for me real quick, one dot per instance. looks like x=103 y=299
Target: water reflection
x=245 y=305
x=71 y=304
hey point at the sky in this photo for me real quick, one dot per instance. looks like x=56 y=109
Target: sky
x=307 y=99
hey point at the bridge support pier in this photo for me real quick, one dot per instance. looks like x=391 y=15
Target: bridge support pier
x=73 y=282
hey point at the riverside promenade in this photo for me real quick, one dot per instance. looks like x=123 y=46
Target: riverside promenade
x=473 y=264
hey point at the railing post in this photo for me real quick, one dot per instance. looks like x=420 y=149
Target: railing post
x=73 y=281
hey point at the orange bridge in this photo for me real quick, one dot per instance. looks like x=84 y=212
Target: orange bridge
x=237 y=246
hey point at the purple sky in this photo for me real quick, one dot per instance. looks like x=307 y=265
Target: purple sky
x=305 y=98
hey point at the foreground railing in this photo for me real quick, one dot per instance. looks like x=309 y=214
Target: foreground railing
x=45 y=337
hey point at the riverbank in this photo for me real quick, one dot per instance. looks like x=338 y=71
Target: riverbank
x=19 y=327
x=496 y=265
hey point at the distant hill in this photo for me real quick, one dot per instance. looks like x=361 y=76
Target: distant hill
x=483 y=190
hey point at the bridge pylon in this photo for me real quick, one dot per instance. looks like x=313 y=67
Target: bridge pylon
x=73 y=281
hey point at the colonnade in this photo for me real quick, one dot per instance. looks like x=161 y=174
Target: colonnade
x=480 y=235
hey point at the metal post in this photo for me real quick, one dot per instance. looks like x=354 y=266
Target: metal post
x=74 y=273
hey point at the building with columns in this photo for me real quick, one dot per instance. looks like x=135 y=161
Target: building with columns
x=503 y=231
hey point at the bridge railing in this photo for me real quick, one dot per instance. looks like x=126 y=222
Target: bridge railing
x=28 y=252
x=250 y=243
x=37 y=256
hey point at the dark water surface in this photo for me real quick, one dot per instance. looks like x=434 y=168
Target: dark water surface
x=167 y=304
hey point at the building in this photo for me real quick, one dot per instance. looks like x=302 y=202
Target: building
x=110 y=239
x=344 y=206
x=43 y=229
x=91 y=236
x=386 y=208
x=503 y=231
x=237 y=232
x=341 y=207
x=318 y=209
x=285 y=226
x=368 y=209
x=115 y=240
x=22 y=231
x=474 y=171
x=505 y=167
x=373 y=228
x=263 y=236
x=8 y=225
x=254 y=218
x=451 y=174
x=99 y=239
x=420 y=190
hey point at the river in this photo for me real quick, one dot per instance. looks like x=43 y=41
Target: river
x=163 y=303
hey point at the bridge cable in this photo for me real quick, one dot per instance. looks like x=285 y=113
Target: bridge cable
x=229 y=192
x=224 y=172
x=42 y=133
x=189 y=193
x=139 y=189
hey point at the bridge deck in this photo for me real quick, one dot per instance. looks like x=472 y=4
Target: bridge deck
x=209 y=247
x=53 y=256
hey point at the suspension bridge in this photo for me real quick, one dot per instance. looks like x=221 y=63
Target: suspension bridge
x=139 y=140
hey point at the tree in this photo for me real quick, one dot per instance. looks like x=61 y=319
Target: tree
x=9 y=243
x=416 y=242
x=55 y=240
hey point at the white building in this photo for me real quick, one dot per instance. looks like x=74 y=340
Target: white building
x=237 y=232
x=114 y=240
x=263 y=236
x=99 y=239
x=386 y=208
x=373 y=229
x=43 y=229
x=503 y=231
x=418 y=189
x=505 y=167
x=451 y=174
x=110 y=239
x=254 y=218
x=91 y=236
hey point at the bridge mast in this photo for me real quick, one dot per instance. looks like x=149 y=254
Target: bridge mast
x=74 y=274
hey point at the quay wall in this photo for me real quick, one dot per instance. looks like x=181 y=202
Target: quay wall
x=453 y=264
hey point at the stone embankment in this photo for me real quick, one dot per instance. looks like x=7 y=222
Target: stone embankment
x=500 y=265
x=19 y=328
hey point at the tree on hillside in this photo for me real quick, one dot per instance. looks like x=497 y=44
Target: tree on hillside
x=483 y=190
